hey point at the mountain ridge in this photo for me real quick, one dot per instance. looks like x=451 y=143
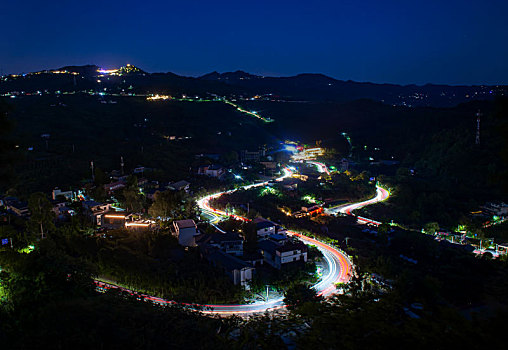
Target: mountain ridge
x=301 y=87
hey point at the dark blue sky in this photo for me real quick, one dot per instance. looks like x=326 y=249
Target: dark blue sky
x=447 y=41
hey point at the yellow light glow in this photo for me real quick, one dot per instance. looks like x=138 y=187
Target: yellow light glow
x=141 y=224
x=158 y=97
x=115 y=216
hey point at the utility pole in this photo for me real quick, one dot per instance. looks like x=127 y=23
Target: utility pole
x=478 y=116
x=93 y=175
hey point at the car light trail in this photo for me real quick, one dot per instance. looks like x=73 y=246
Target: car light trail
x=251 y=113
x=339 y=266
x=381 y=195
x=322 y=168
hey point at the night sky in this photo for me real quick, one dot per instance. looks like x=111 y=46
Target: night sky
x=446 y=41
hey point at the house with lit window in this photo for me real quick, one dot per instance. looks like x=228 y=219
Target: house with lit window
x=114 y=186
x=114 y=219
x=179 y=186
x=264 y=228
x=284 y=253
x=61 y=210
x=95 y=210
x=213 y=170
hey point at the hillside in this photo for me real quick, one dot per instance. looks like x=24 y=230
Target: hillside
x=303 y=87
x=161 y=135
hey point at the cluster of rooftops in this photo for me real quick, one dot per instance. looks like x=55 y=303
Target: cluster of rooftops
x=226 y=250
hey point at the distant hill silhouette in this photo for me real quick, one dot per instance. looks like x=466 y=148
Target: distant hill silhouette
x=302 y=87
x=319 y=87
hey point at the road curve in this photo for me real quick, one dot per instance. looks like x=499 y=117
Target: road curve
x=322 y=168
x=381 y=195
x=338 y=270
x=338 y=265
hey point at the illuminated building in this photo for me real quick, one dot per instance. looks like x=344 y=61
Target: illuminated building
x=280 y=255
x=185 y=231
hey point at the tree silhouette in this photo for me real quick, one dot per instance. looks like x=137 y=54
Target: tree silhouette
x=41 y=216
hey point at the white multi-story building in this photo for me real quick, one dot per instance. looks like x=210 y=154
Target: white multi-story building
x=280 y=255
x=185 y=231
x=69 y=195
x=213 y=170
x=264 y=228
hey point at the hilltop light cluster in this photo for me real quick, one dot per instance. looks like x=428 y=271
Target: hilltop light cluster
x=128 y=68
x=158 y=97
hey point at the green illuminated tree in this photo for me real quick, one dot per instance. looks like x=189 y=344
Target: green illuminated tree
x=46 y=274
x=431 y=227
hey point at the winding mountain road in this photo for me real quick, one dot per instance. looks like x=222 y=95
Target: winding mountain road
x=338 y=266
x=381 y=195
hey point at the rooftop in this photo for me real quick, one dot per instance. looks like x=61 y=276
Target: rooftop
x=278 y=237
x=226 y=261
x=272 y=247
x=179 y=184
x=185 y=223
x=263 y=223
x=218 y=238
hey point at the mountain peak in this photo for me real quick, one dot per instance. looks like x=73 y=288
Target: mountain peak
x=237 y=75
x=127 y=69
